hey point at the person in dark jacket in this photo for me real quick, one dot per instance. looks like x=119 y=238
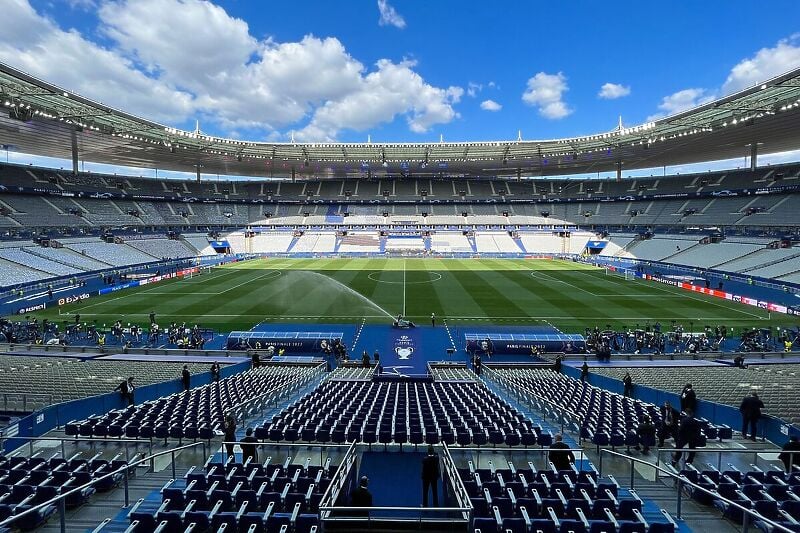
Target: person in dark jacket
x=584 y=371
x=365 y=359
x=670 y=417
x=646 y=433
x=688 y=399
x=790 y=453
x=688 y=435
x=248 y=444
x=361 y=496
x=430 y=477
x=215 y=370
x=751 y=411
x=560 y=455
x=557 y=364
x=230 y=435
x=186 y=377
x=126 y=389
x=627 y=385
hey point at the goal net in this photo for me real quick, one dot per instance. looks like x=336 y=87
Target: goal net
x=626 y=273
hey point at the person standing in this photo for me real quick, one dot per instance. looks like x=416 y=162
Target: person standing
x=627 y=385
x=750 y=408
x=361 y=496
x=215 y=371
x=230 y=435
x=669 y=423
x=126 y=389
x=560 y=454
x=376 y=356
x=557 y=364
x=248 y=444
x=430 y=477
x=688 y=399
x=478 y=364
x=152 y=317
x=688 y=435
x=186 y=377
x=584 y=371
x=433 y=320
x=365 y=359
x=647 y=434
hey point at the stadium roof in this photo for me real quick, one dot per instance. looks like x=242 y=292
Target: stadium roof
x=43 y=119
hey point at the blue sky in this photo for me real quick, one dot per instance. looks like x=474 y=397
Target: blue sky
x=400 y=70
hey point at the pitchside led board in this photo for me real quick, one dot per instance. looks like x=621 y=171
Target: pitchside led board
x=294 y=342
x=526 y=344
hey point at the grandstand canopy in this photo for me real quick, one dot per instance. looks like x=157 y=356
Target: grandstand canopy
x=42 y=119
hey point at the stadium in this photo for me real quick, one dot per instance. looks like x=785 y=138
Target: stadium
x=279 y=336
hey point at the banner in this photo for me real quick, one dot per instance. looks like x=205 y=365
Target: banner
x=531 y=345
x=292 y=342
x=769 y=306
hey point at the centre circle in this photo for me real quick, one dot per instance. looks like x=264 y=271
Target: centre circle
x=410 y=275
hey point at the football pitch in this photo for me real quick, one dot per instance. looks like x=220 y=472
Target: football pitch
x=571 y=296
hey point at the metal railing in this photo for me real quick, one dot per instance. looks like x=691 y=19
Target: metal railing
x=579 y=453
x=524 y=395
x=60 y=500
x=682 y=481
x=305 y=446
x=338 y=481
x=247 y=408
x=718 y=452
x=460 y=491
x=328 y=507
x=34 y=398
x=32 y=440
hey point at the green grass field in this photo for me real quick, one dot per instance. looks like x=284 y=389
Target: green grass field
x=569 y=295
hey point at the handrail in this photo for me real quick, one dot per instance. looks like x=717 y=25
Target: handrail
x=682 y=480
x=344 y=469
x=515 y=391
x=61 y=497
x=31 y=440
x=47 y=399
x=462 y=497
x=388 y=508
x=720 y=452
x=290 y=387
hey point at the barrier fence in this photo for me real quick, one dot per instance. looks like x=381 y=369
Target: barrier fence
x=682 y=481
x=59 y=500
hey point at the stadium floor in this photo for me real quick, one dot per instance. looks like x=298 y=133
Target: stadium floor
x=568 y=295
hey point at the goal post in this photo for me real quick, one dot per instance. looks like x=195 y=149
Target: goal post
x=626 y=273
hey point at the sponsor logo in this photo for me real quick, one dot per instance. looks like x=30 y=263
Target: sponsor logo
x=404 y=347
x=37 y=307
x=72 y=299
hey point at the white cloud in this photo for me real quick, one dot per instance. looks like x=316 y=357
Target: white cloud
x=765 y=64
x=36 y=45
x=545 y=92
x=612 y=91
x=490 y=105
x=473 y=89
x=82 y=5
x=681 y=101
x=391 y=90
x=389 y=16
x=176 y=60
